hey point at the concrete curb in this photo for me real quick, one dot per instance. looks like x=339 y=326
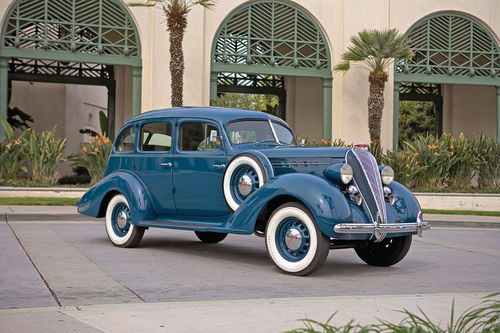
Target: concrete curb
x=41 y=192
x=441 y=201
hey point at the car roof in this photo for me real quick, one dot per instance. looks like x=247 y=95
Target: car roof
x=220 y=114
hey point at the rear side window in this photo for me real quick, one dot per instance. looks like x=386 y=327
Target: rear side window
x=126 y=140
x=198 y=136
x=156 y=136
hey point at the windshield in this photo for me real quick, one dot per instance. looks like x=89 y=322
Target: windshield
x=285 y=136
x=255 y=131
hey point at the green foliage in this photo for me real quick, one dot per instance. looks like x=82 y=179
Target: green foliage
x=44 y=152
x=322 y=143
x=94 y=157
x=484 y=317
x=489 y=168
x=80 y=176
x=415 y=118
x=257 y=102
x=375 y=49
x=438 y=164
x=447 y=163
x=26 y=201
x=11 y=154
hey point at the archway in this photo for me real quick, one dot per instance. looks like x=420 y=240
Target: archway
x=450 y=49
x=263 y=41
x=75 y=41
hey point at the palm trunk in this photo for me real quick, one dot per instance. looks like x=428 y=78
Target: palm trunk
x=176 y=67
x=376 y=105
x=176 y=25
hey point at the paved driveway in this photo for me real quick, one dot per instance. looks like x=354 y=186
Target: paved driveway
x=72 y=263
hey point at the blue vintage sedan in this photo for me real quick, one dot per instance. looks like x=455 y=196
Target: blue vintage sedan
x=216 y=171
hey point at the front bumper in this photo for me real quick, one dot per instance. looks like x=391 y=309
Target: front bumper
x=379 y=230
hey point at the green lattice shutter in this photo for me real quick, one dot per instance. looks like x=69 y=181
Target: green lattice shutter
x=272 y=34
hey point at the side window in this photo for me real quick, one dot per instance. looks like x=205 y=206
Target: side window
x=156 y=136
x=198 y=136
x=126 y=140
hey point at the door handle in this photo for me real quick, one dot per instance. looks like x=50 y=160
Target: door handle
x=168 y=164
x=219 y=166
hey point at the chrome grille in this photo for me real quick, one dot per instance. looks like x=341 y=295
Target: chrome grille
x=366 y=177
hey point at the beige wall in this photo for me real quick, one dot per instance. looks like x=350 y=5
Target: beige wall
x=471 y=110
x=339 y=19
x=304 y=102
x=45 y=102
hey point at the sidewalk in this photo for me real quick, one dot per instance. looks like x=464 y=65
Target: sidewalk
x=63 y=213
x=257 y=315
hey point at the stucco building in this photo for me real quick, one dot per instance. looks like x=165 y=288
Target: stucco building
x=67 y=60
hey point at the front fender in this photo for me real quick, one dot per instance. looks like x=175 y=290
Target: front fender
x=406 y=206
x=325 y=201
x=94 y=200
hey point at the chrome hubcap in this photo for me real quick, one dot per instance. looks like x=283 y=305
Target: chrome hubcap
x=293 y=239
x=245 y=185
x=122 y=219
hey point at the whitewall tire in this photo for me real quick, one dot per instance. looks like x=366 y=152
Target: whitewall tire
x=120 y=231
x=242 y=177
x=293 y=240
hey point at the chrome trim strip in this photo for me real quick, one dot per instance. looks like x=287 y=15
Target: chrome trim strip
x=364 y=228
x=274 y=133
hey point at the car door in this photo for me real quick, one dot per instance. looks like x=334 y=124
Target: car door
x=199 y=162
x=154 y=163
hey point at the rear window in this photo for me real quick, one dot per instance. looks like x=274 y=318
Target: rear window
x=126 y=140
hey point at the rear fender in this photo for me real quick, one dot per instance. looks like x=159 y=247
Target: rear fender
x=325 y=201
x=94 y=202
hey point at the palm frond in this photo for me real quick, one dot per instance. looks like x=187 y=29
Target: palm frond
x=376 y=49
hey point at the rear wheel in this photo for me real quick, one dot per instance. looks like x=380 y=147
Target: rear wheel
x=293 y=240
x=210 y=237
x=385 y=253
x=120 y=231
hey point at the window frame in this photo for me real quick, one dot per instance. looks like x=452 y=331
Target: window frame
x=203 y=121
x=172 y=141
x=117 y=141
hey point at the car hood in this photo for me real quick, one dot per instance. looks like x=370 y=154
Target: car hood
x=299 y=152
x=312 y=160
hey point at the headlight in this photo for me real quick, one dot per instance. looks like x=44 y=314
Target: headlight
x=339 y=173
x=387 y=175
x=346 y=174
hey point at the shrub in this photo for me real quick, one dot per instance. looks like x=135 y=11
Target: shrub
x=322 y=143
x=94 y=157
x=445 y=163
x=484 y=317
x=11 y=154
x=45 y=154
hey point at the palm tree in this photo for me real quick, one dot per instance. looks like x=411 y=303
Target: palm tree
x=375 y=49
x=176 y=12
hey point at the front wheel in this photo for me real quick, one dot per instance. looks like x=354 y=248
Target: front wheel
x=120 y=231
x=293 y=240
x=210 y=237
x=385 y=253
